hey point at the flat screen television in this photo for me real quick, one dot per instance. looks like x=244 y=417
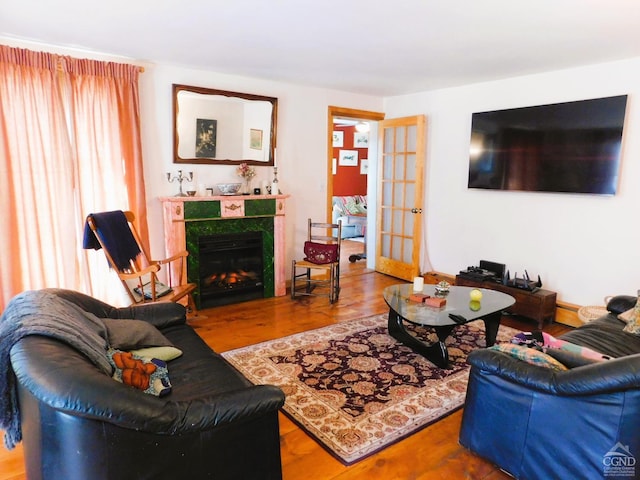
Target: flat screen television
x=571 y=147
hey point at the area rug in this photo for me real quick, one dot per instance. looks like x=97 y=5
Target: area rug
x=355 y=389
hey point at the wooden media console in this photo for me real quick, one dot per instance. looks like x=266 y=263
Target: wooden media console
x=539 y=305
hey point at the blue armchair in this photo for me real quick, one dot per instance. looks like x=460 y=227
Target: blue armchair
x=535 y=422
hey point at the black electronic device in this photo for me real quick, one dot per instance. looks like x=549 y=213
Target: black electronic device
x=571 y=147
x=524 y=283
x=477 y=273
x=497 y=268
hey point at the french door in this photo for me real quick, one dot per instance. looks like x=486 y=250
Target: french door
x=402 y=146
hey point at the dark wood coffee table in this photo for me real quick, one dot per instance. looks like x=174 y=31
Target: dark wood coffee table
x=457 y=311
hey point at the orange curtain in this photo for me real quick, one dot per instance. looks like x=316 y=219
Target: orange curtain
x=70 y=144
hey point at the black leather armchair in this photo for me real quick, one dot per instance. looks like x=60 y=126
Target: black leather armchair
x=78 y=423
x=537 y=423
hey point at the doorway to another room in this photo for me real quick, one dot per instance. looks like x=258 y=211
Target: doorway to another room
x=352 y=157
x=395 y=177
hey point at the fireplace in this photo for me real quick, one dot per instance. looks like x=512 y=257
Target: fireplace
x=231 y=268
x=188 y=219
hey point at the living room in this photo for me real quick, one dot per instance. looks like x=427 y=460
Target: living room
x=564 y=238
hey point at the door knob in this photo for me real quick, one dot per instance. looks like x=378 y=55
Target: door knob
x=416 y=210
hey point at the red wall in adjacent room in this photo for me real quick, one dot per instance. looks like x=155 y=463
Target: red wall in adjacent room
x=349 y=180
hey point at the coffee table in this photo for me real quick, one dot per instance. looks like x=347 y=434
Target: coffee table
x=401 y=309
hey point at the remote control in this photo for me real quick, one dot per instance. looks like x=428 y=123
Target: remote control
x=457 y=318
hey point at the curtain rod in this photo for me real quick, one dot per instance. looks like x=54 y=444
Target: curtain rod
x=60 y=61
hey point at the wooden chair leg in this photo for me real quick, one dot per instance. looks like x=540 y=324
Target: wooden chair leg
x=309 y=289
x=191 y=305
x=332 y=286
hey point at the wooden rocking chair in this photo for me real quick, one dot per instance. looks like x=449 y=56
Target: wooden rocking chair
x=116 y=234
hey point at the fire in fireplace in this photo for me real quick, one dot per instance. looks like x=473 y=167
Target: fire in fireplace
x=230 y=268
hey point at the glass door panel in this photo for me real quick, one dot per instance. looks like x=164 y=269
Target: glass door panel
x=401 y=196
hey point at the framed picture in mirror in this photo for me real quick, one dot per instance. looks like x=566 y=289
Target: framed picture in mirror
x=206 y=131
x=255 y=139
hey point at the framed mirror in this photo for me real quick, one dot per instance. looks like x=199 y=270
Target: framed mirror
x=221 y=127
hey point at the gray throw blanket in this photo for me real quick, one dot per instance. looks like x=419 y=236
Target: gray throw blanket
x=39 y=312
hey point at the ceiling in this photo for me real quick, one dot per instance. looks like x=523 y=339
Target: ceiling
x=362 y=46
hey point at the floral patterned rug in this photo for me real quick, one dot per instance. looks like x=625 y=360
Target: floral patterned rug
x=356 y=389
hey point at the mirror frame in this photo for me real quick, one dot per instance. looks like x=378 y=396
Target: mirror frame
x=177 y=88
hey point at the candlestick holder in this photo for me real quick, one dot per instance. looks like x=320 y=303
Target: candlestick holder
x=275 y=188
x=180 y=178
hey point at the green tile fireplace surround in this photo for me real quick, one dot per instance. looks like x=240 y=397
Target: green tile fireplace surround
x=186 y=219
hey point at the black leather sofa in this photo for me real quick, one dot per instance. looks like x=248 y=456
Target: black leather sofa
x=78 y=423
x=583 y=423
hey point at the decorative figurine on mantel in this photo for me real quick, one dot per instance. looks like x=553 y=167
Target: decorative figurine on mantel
x=180 y=178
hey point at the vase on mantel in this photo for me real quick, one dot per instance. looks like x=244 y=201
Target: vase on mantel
x=246 y=187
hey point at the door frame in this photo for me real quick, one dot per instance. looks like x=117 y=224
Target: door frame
x=351 y=114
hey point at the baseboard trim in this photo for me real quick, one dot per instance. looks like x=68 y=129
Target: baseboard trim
x=567 y=314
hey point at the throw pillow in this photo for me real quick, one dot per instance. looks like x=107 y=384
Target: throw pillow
x=628 y=315
x=530 y=355
x=350 y=206
x=552 y=342
x=130 y=334
x=621 y=303
x=320 y=253
x=161 y=353
x=571 y=359
x=147 y=374
x=353 y=206
x=633 y=325
x=528 y=339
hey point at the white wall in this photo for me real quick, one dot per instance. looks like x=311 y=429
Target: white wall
x=583 y=246
x=301 y=144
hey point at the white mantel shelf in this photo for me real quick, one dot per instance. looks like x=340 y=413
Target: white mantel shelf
x=231 y=207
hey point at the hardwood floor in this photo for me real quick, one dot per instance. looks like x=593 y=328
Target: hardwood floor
x=433 y=452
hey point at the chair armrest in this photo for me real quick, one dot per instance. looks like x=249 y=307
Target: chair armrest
x=175 y=271
x=153 y=268
x=177 y=256
x=223 y=408
x=602 y=377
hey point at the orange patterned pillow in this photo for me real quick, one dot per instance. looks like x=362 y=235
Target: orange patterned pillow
x=147 y=374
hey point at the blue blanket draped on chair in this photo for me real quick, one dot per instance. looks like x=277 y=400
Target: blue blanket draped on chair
x=115 y=233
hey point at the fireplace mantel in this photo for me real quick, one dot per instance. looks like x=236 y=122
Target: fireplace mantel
x=185 y=215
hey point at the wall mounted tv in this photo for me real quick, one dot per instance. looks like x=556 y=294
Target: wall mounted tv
x=571 y=147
